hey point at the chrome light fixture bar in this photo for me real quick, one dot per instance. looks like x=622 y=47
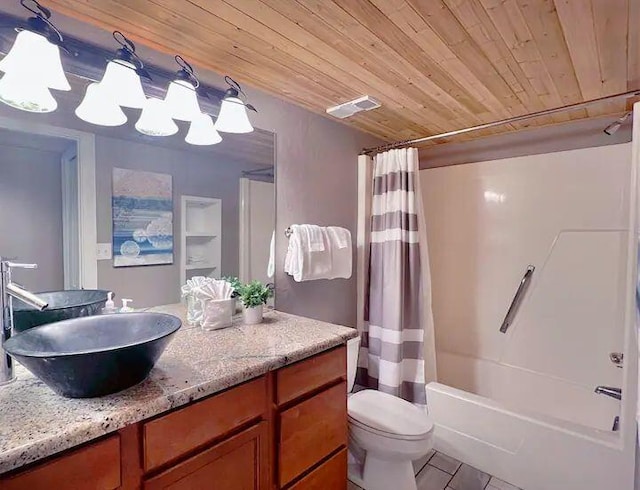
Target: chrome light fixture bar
x=33 y=65
x=233 y=116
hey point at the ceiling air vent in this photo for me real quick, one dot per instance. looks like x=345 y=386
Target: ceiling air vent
x=364 y=103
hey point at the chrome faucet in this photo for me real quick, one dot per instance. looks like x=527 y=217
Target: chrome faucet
x=609 y=391
x=9 y=290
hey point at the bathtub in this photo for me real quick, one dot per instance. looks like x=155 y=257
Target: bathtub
x=534 y=431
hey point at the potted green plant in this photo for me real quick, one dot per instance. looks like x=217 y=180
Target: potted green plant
x=254 y=296
x=237 y=287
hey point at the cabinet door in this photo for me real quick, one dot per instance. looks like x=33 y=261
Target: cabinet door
x=95 y=466
x=237 y=463
x=311 y=431
x=331 y=474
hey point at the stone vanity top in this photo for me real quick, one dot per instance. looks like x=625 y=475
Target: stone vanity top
x=36 y=422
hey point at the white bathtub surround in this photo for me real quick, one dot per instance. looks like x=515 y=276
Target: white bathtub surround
x=392 y=359
x=504 y=399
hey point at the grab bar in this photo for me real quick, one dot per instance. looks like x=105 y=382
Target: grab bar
x=517 y=299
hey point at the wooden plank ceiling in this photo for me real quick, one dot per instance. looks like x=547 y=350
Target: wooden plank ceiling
x=436 y=65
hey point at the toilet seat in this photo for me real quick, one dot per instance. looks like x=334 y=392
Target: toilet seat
x=388 y=416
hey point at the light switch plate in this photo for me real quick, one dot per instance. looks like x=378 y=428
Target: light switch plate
x=103 y=251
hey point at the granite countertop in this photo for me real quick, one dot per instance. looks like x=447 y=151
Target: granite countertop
x=37 y=423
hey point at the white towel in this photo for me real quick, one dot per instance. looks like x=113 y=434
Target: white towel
x=341 y=252
x=301 y=262
x=314 y=237
x=271 y=267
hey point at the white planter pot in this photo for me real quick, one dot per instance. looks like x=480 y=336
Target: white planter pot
x=252 y=316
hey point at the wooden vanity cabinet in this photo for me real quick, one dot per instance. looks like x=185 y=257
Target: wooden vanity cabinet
x=237 y=463
x=284 y=430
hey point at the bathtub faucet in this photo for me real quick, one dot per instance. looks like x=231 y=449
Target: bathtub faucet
x=609 y=391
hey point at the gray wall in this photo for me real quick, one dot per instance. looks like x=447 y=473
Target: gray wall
x=316 y=183
x=196 y=174
x=31 y=214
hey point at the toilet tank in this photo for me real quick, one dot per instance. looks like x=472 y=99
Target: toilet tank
x=353 y=347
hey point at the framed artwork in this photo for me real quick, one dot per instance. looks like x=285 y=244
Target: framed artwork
x=142 y=207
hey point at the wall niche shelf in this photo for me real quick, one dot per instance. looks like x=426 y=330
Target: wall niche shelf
x=201 y=232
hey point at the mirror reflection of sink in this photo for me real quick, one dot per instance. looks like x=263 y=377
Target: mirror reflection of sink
x=63 y=305
x=97 y=355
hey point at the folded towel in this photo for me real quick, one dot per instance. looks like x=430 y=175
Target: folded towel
x=341 y=252
x=301 y=262
x=271 y=267
x=340 y=237
x=315 y=238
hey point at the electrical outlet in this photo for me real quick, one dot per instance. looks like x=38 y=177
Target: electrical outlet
x=103 y=251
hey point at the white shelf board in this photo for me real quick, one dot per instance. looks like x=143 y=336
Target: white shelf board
x=203 y=234
x=192 y=267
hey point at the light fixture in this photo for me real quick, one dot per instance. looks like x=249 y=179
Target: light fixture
x=26 y=95
x=121 y=79
x=98 y=108
x=33 y=64
x=182 y=97
x=120 y=87
x=202 y=131
x=233 y=116
x=155 y=119
x=614 y=126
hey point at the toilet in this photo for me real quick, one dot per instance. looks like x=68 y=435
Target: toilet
x=387 y=432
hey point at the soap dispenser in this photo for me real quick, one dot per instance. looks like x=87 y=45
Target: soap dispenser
x=109 y=306
x=125 y=306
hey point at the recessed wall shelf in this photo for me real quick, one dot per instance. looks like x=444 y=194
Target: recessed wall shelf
x=201 y=233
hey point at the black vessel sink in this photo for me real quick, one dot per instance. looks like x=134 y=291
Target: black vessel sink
x=96 y=355
x=62 y=306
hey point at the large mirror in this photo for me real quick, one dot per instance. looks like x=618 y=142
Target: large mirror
x=165 y=211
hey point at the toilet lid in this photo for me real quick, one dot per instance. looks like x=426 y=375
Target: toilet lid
x=389 y=414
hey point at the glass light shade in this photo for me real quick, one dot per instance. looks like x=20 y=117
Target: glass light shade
x=155 y=119
x=182 y=101
x=202 y=131
x=122 y=84
x=26 y=95
x=233 y=117
x=99 y=108
x=33 y=57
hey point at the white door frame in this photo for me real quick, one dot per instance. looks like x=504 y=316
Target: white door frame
x=86 y=178
x=363 y=235
x=629 y=405
x=70 y=238
x=244 y=228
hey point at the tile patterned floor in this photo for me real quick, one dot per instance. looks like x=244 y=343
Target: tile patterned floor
x=437 y=471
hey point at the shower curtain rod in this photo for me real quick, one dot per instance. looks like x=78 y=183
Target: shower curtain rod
x=578 y=105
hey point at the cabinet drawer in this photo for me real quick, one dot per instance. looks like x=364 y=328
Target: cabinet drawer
x=92 y=467
x=235 y=464
x=311 y=430
x=310 y=374
x=170 y=436
x=331 y=474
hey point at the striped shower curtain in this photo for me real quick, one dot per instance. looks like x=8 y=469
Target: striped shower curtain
x=397 y=308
